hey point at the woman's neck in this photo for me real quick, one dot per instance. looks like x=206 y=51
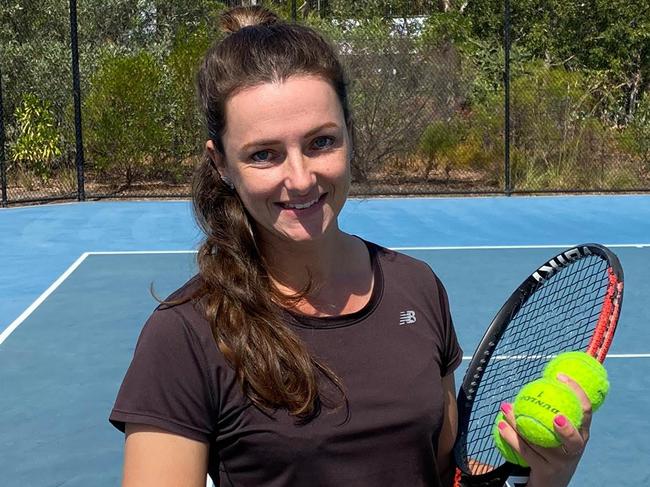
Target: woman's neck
x=336 y=268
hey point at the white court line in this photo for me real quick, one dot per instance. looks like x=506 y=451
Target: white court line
x=31 y=207
x=25 y=314
x=141 y=252
x=610 y=355
x=16 y=323
x=628 y=355
x=507 y=247
x=83 y=256
x=461 y=247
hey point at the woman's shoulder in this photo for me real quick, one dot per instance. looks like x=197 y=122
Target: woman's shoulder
x=184 y=301
x=178 y=319
x=401 y=264
x=176 y=374
x=187 y=291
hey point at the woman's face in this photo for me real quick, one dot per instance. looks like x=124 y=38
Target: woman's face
x=287 y=151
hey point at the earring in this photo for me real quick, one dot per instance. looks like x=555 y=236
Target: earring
x=227 y=182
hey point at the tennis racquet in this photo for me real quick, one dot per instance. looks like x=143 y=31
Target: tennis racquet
x=572 y=302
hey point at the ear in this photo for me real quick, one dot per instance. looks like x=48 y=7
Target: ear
x=217 y=158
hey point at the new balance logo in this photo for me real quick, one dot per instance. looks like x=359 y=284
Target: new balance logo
x=516 y=481
x=407 y=317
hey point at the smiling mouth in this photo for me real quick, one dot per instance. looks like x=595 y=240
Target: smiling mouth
x=302 y=206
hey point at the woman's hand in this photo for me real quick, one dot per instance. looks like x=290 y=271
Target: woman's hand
x=552 y=467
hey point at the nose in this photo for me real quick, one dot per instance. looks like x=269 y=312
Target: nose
x=299 y=176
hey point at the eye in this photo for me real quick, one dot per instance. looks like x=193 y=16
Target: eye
x=262 y=156
x=324 y=142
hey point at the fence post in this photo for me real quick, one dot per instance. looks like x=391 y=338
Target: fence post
x=506 y=83
x=3 y=169
x=81 y=193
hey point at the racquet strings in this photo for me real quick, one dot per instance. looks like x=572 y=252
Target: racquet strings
x=560 y=316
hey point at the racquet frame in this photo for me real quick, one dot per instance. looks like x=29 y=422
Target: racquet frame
x=598 y=346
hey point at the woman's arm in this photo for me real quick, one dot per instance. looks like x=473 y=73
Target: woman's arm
x=447 y=437
x=154 y=457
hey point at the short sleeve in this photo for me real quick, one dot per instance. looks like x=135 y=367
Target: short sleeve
x=451 y=353
x=166 y=384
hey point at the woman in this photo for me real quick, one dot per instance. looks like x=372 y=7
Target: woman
x=300 y=354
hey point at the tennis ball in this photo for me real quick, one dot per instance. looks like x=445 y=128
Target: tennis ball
x=502 y=445
x=536 y=406
x=588 y=372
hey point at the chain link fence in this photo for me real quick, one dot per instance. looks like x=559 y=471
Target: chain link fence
x=442 y=100
x=579 y=107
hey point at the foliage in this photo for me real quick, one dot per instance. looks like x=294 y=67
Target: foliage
x=40 y=68
x=38 y=142
x=126 y=116
x=481 y=59
x=428 y=91
x=635 y=137
x=377 y=8
x=447 y=27
x=557 y=142
x=395 y=93
x=35 y=41
x=182 y=62
x=607 y=40
x=398 y=83
x=442 y=144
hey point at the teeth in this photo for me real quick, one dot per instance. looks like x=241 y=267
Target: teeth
x=301 y=206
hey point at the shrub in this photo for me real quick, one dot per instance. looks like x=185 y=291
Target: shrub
x=38 y=142
x=556 y=141
x=445 y=145
x=635 y=137
x=127 y=122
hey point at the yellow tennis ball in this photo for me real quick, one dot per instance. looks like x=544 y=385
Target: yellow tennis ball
x=588 y=372
x=536 y=406
x=502 y=445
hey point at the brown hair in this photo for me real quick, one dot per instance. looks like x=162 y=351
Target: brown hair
x=244 y=308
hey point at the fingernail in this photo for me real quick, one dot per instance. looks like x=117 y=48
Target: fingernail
x=562 y=378
x=502 y=425
x=560 y=421
x=506 y=408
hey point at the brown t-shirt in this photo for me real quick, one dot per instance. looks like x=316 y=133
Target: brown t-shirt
x=390 y=356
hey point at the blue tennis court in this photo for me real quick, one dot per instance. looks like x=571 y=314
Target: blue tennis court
x=75 y=293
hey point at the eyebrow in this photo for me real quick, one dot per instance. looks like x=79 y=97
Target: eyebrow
x=313 y=131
